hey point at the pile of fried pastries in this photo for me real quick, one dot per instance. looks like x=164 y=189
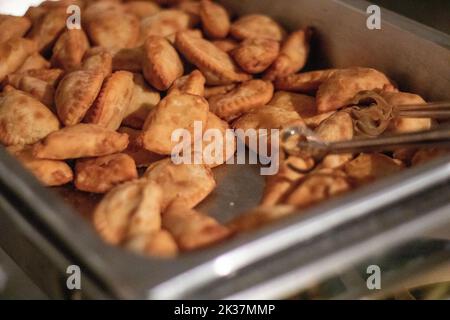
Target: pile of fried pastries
x=95 y=107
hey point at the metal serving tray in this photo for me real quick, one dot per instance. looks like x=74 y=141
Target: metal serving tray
x=44 y=235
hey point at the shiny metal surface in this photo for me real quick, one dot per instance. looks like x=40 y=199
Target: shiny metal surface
x=51 y=233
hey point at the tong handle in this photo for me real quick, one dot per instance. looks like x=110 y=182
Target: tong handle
x=435 y=110
x=433 y=138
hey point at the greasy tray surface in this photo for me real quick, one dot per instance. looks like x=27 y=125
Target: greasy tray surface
x=398 y=53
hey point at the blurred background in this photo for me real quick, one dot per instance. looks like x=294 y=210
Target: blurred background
x=14 y=284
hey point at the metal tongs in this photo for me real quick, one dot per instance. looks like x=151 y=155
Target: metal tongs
x=371 y=116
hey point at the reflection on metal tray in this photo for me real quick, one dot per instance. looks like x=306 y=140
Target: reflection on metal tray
x=35 y=225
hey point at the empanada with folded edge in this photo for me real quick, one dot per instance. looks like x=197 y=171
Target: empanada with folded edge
x=13 y=27
x=113 y=101
x=254 y=55
x=193 y=83
x=80 y=141
x=192 y=229
x=338 y=90
x=13 y=54
x=293 y=55
x=144 y=100
x=49 y=172
x=69 y=49
x=257 y=26
x=162 y=64
x=75 y=94
x=23 y=119
x=215 y=20
x=99 y=175
x=215 y=64
x=247 y=96
x=185 y=185
x=174 y=112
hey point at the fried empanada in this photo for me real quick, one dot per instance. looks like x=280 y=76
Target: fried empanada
x=226 y=45
x=39 y=89
x=13 y=27
x=174 y=112
x=159 y=244
x=164 y=23
x=34 y=62
x=192 y=8
x=142 y=157
x=278 y=185
x=114 y=30
x=225 y=144
x=247 y=96
x=369 y=167
x=69 y=49
x=144 y=100
x=162 y=65
x=337 y=127
x=23 y=119
x=216 y=90
x=98 y=59
x=316 y=187
x=80 y=141
x=304 y=105
x=185 y=185
x=293 y=55
x=191 y=229
x=128 y=59
x=402 y=124
x=113 y=100
x=115 y=214
x=99 y=175
x=141 y=9
x=215 y=19
x=338 y=90
x=257 y=26
x=193 y=83
x=75 y=94
x=51 y=76
x=305 y=82
x=259 y=217
x=254 y=55
x=48 y=27
x=95 y=8
x=49 y=172
x=215 y=64
x=13 y=54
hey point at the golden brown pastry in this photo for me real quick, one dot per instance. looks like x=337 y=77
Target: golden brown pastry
x=13 y=27
x=164 y=23
x=127 y=210
x=254 y=55
x=184 y=185
x=141 y=156
x=114 y=30
x=338 y=90
x=23 y=119
x=39 y=89
x=144 y=100
x=99 y=175
x=47 y=28
x=49 y=172
x=193 y=83
x=247 y=96
x=162 y=65
x=174 y=112
x=113 y=101
x=76 y=93
x=293 y=55
x=80 y=141
x=69 y=49
x=305 y=82
x=257 y=26
x=191 y=229
x=215 y=64
x=13 y=54
x=215 y=19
